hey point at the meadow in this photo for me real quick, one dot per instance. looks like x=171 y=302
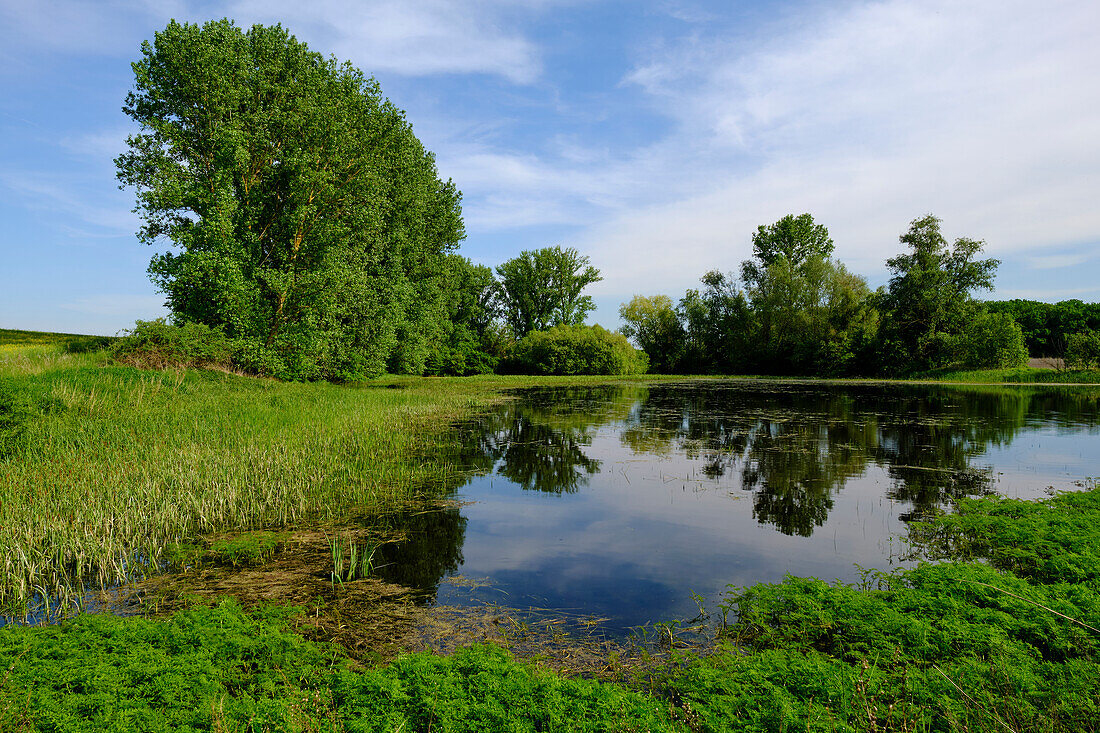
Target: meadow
x=106 y=467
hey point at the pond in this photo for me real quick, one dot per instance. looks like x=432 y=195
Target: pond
x=624 y=501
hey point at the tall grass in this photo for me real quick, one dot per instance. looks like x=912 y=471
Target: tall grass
x=116 y=463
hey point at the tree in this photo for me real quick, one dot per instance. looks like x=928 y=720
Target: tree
x=544 y=287
x=718 y=326
x=654 y=325
x=928 y=301
x=472 y=310
x=812 y=314
x=308 y=221
x=794 y=239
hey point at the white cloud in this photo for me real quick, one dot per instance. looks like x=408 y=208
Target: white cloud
x=133 y=306
x=413 y=37
x=981 y=113
x=64 y=198
x=867 y=116
x=1056 y=261
x=1051 y=295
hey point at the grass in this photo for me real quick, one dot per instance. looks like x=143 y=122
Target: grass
x=112 y=469
x=12 y=337
x=219 y=668
x=107 y=466
x=1007 y=643
x=114 y=464
x=1020 y=375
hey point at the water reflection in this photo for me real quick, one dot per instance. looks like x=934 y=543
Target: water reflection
x=623 y=499
x=429 y=549
x=792 y=447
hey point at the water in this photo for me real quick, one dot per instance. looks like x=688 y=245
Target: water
x=623 y=501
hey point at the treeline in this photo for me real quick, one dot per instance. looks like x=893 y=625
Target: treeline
x=312 y=238
x=795 y=310
x=1049 y=327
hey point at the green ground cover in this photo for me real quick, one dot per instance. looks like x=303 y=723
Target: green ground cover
x=1020 y=375
x=13 y=337
x=112 y=462
x=1006 y=644
x=104 y=466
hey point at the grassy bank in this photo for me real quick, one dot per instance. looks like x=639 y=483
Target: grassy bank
x=104 y=466
x=1009 y=644
x=1021 y=375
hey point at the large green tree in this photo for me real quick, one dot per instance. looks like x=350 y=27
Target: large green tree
x=544 y=288
x=812 y=314
x=655 y=326
x=929 y=303
x=304 y=217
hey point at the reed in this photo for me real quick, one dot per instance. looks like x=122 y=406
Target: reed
x=115 y=464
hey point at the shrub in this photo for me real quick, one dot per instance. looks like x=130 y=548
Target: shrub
x=992 y=341
x=1083 y=350
x=565 y=350
x=160 y=345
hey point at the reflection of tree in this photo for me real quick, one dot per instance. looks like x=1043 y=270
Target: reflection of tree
x=933 y=438
x=794 y=446
x=431 y=547
x=540 y=458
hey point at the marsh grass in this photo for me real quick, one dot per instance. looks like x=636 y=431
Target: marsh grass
x=115 y=464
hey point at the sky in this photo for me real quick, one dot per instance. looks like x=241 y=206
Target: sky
x=653 y=137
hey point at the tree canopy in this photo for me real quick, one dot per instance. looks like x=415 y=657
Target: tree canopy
x=544 y=288
x=304 y=217
x=929 y=299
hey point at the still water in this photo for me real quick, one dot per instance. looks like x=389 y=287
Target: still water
x=623 y=501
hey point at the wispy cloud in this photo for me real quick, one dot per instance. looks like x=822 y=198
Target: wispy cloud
x=413 y=37
x=72 y=205
x=983 y=113
x=1056 y=261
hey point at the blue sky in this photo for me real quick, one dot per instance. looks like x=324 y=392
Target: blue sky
x=652 y=136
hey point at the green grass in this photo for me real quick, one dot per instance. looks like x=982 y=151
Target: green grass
x=1021 y=375
x=114 y=464
x=106 y=466
x=955 y=646
x=11 y=337
x=113 y=467
x=1011 y=643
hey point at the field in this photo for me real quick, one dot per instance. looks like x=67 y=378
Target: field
x=104 y=469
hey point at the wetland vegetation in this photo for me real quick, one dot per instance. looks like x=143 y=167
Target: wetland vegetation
x=1000 y=633
x=712 y=555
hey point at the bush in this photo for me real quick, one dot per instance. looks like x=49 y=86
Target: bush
x=159 y=345
x=1083 y=350
x=992 y=341
x=566 y=350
